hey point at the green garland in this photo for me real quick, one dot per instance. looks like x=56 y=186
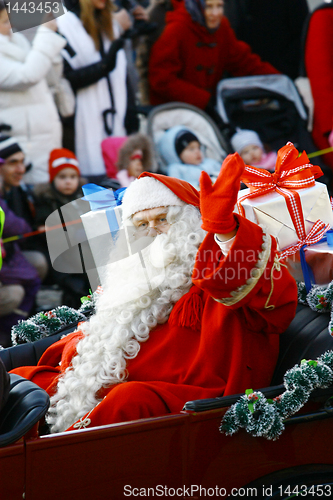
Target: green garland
x=265 y=417
x=319 y=299
x=47 y=323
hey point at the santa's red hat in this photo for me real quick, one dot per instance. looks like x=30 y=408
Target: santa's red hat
x=62 y=158
x=156 y=190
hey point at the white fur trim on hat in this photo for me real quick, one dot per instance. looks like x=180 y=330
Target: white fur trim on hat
x=244 y=138
x=146 y=193
x=64 y=161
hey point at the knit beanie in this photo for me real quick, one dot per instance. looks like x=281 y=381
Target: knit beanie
x=8 y=146
x=60 y=159
x=244 y=138
x=183 y=139
x=155 y=190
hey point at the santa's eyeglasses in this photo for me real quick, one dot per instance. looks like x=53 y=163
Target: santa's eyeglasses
x=159 y=225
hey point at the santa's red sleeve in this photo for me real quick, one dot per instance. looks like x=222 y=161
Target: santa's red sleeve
x=250 y=278
x=53 y=362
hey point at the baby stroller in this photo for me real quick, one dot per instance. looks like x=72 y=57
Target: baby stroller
x=165 y=116
x=270 y=105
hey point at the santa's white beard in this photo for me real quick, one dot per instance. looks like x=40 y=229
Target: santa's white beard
x=132 y=304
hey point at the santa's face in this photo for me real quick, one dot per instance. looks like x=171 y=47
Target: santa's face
x=151 y=222
x=144 y=251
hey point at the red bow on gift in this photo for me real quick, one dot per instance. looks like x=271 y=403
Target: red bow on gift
x=292 y=171
x=315 y=234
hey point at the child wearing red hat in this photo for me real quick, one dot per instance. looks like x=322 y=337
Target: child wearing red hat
x=64 y=171
x=64 y=187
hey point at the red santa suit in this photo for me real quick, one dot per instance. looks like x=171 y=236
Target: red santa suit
x=222 y=337
x=188 y=61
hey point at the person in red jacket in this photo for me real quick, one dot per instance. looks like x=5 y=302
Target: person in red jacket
x=200 y=319
x=319 y=69
x=193 y=53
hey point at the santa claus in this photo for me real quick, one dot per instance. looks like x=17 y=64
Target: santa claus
x=199 y=319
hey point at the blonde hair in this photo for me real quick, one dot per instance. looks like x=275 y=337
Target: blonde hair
x=97 y=21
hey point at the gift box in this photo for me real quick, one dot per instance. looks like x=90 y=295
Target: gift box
x=319 y=260
x=101 y=227
x=292 y=207
x=101 y=224
x=271 y=211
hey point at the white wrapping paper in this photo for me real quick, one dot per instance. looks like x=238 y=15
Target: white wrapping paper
x=100 y=236
x=271 y=211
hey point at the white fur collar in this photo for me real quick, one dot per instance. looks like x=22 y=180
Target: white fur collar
x=15 y=47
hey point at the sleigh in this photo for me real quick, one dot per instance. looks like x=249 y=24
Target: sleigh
x=181 y=455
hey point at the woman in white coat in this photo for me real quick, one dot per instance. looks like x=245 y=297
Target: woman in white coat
x=26 y=102
x=95 y=64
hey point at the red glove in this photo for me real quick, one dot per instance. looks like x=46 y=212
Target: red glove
x=217 y=201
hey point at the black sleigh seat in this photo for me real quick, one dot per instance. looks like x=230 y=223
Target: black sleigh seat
x=27 y=403
x=307 y=337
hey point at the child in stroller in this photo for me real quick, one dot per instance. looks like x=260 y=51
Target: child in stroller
x=248 y=144
x=181 y=149
x=126 y=158
x=271 y=106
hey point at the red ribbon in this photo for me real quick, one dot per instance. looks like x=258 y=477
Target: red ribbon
x=292 y=171
x=315 y=234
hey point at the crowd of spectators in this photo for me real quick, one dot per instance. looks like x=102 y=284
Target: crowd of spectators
x=91 y=68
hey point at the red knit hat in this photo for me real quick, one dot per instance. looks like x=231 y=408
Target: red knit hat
x=60 y=159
